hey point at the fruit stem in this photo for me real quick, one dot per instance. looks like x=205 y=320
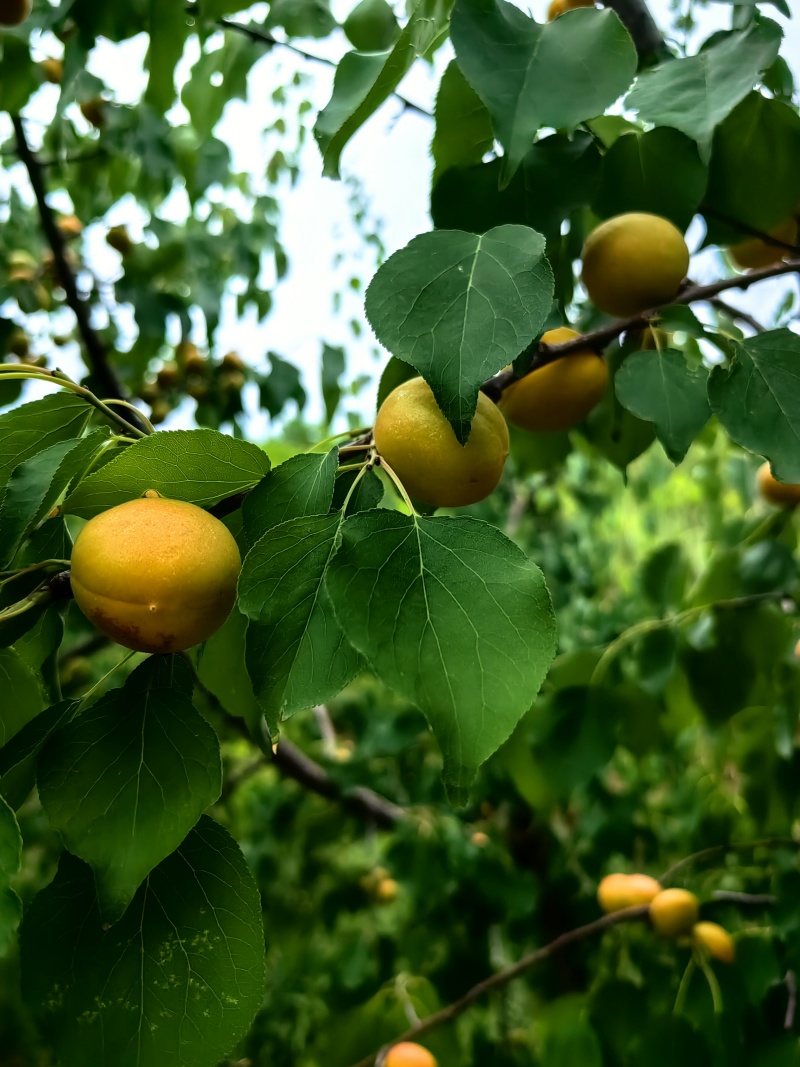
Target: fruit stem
x=132 y=407
x=350 y=467
x=399 y=486
x=11 y=576
x=38 y=596
x=683 y=988
x=713 y=984
x=326 y=441
x=356 y=480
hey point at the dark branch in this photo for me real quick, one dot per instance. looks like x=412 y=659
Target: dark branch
x=737 y=314
x=96 y=354
x=502 y=978
x=645 y=34
x=541 y=355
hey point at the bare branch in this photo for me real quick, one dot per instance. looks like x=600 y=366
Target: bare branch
x=502 y=978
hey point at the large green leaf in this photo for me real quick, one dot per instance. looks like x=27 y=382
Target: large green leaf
x=37 y=483
x=695 y=94
x=176 y=981
x=459 y=307
x=364 y=81
x=453 y=616
x=10 y=863
x=513 y=64
x=31 y=428
x=169 y=28
x=757 y=400
x=220 y=665
x=32 y=736
x=755 y=160
x=661 y=387
x=463 y=132
x=558 y=175
x=201 y=466
x=126 y=781
x=22 y=698
x=297 y=654
x=302 y=485
x=659 y=172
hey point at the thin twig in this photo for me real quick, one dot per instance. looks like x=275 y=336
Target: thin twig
x=791 y=1002
x=264 y=37
x=508 y=974
x=753 y=231
x=720 y=850
x=540 y=354
x=96 y=353
x=737 y=313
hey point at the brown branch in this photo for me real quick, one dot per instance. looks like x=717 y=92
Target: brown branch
x=597 y=340
x=645 y=34
x=96 y=353
x=737 y=313
x=502 y=978
x=264 y=37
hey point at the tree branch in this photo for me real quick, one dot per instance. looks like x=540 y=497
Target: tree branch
x=753 y=231
x=96 y=354
x=637 y=20
x=540 y=354
x=737 y=314
x=502 y=978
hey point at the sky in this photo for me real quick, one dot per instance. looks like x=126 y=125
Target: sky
x=390 y=159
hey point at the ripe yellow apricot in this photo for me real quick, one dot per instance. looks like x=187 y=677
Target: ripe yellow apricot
x=155 y=575
x=785 y=494
x=407 y=1054
x=560 y=394
x=558 y=7
x=618 y=891
x=386 y=890
x=14 y=12
x=674 y=912
x=715 y=940
x=480 y=839
x=754 y=252
x=418 y=443
x=634 y=262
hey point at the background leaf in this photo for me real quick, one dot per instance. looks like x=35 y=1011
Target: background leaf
x=451 y=615
x=463 y=133
x=333 y=364
x=27 y=430
x=145 y=760
x=200 y=466
x=10 y=863
x=512 y=63
x=180 y=977
x=459 y=307
x=757 y=399
x=22 y=694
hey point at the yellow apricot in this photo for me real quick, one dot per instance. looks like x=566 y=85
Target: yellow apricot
x=754 y=252
x=386 y=890
x=634 y=262
x=480 y=839
x=558 y=7
x=14 y=12
x=618 y=891
x=155 y=575
x=407 y=1054
x=715 y=940
x=674 y=912
x=417 y=442
x=560 y=394
x=785 y=494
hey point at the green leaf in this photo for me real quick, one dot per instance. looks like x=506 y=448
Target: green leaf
x=454 y=617
x=201 y=466
x=142 y=760
x=301 y=18
x=302 y=485
x=613 y=430
x=297 y=655
x=281 y=385
x=218 y=77
x=17 y=73
x=371 y=26
x=781 y=5
x=37 y=483
x=394 y=373
x=755 y=160
x=757 y=400
x=558 y=175
x=363 y=82
x=694 y=95
x=27 y=430
x=221 y=667
x=10 y=863
x=333 y=363
x=21 y=692
x=32 y=736
x=177 y=980
x=513 y=63
x=463 y=132
x=659 y=172
x=661 y=388
x=459 y=307
x=169 y=28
